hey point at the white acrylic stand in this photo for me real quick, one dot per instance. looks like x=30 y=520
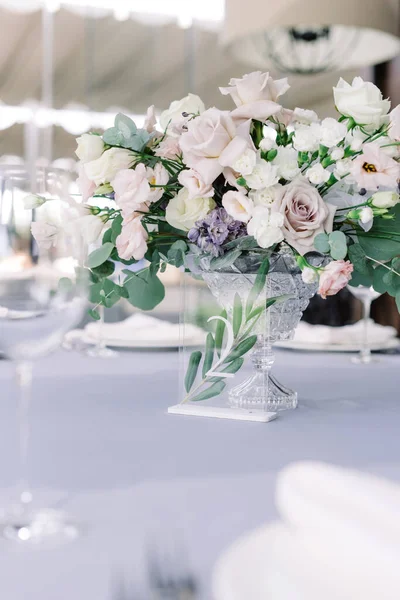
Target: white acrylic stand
x=222 y=412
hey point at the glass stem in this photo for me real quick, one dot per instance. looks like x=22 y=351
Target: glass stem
x=100 y=340
x=23 y=373
x=365 y=353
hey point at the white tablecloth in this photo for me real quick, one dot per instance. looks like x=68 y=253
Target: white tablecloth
x=103 y=444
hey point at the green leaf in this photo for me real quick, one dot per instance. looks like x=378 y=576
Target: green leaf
x=219 y=333
x=145 y=290
x=100 y=255
x=125 y=125
x=321 y=243
x=271 y=154
x=398 y=301
x=192 y=369
x=246 y=242
x=107 y=236
x=338 y=245
x=209 y=354
x=214 y=390
x=258 y=286
x=104 y=270
x=237 y=314
x=360 y=279
x=378 y=248
x=176 y=254
x=242 y=348
x=65 y=285
x=232 y=368
x=116 y=228
x=359 y=259
x=269 y=302
x=94 y=314
x=225 y=261
x=123 y=292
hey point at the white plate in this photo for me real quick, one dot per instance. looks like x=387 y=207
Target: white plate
x=241 y=571
x=390 y=344
x=142 y=343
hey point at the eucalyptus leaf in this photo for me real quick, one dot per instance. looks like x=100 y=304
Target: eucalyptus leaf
x=176 y=253
x=321 y=243
x=237 y=314
x=100 y=255
x=338 y=245
x=94 y=314
x=360 y=279
x=214 y=390
x=258 y=286
x=225 y=261
x=209 y=354
x=246 y=242
x=398 y=301
x=219 y=333
x=378 y=279
x=65 y=285
x=104 y=270
x=192 y=369
x=107 y=236
x=359 y=259
x=116 y=228
x=378 y=248
x=242 y=348
x=145 y=290
x=125 y=125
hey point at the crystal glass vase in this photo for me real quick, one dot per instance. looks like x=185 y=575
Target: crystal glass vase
x=262 y=390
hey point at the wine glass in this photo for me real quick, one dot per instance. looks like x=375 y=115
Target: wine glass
x=43 y=294
x=367 y=295
x=100 y=348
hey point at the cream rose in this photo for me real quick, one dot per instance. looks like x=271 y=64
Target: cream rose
x=105 y=168
x=190 y=104
x=212 y=142
x=90 y=147
x=183 y=212
x=362 y=101
x=305 y=214
x=255 y=95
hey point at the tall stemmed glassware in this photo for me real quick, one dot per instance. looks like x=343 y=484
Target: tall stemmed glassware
x=100 y=349
x=367 y=295
x=42 y=296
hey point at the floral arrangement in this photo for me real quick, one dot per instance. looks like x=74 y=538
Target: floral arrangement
x=214 y=183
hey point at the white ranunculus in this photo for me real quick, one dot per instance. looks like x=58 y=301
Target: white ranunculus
x=246 y=162
x=265 y=227
x=384 y=199
x=90 y=147
x=306 y=138
x=33 y=201
x=190 y=104
x=317 y=174
x=286 y=161
x=332 y=132
x=264 y=175
x=105 y=168
x=309 y=275
x=265 y=196
x=182 y=212
x=238 y=205
x=361 y=101
x=337 y=153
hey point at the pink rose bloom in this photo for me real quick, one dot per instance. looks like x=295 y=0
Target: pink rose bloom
x=374 y=168
x=150 y=121
x=132 y=189
x=131 y=242
x=213 y=141
x=334 y=277
x=255 y=95
x=168 y=148
x=394 y=129
x=192 y=181
x=305 y=214
x=157 y=176
x=85 y=185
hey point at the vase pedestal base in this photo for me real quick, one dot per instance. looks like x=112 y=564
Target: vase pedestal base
x=262 y=391
x=222 y=412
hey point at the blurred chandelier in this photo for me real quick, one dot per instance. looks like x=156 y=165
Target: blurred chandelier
x=312 y=36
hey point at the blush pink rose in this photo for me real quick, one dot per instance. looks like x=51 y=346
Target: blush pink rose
x=213 y=141
x=255 y=95
x=132 y=189
x=374 y=168
x=132 y=241
x=85 y=185
x=157 y=177
x=334 y=277
x=305 y=214
x=192 y=181
x=168 y=148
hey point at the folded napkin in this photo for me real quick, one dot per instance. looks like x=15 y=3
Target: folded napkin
x=140 y=328
x=349 y=334
x=340 y=536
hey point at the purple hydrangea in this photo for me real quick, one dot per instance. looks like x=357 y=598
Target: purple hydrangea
x=214 y=230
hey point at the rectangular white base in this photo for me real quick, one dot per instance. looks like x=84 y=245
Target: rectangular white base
x=222 y=412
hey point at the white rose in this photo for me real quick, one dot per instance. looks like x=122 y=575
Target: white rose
x=265 y=227
x=265 y=196
x=304 y=117
x=183 y=212
x=33 y=201
x=361 y=101
x=384 y=199
x=317 y=174
x=337 y=153
x=306 y=138
x=238 y=205
x=105 y=168
x=190 y=104
x=286 y=161
x=90 y=147
x=309 y=275
x=246 y=162
x=264 y=174
x=332 y=132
